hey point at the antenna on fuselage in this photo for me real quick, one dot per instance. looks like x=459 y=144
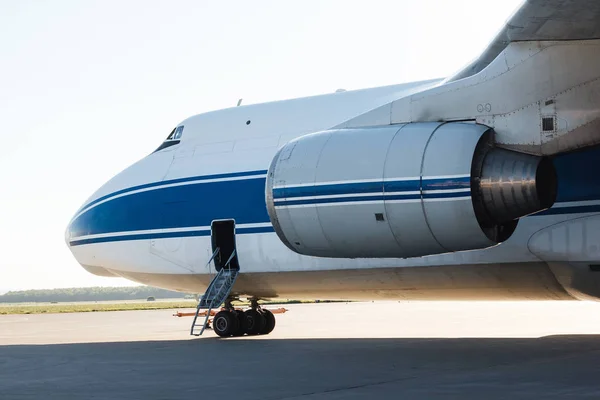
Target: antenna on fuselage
x=239 y=102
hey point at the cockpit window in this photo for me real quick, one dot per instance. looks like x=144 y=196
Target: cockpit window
x=178 y=132
x=173 y=138
x=171 y=135
x=175 y=133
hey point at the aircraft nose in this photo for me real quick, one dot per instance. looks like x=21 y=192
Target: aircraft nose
x=105 y=215
x=86 y=257
x=74 y=234
x=91 y=224
x=76 y=230
x=68 y=235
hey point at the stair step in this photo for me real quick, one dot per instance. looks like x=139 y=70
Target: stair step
x=217 y=292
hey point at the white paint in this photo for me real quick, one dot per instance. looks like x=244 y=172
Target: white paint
x=510 y=91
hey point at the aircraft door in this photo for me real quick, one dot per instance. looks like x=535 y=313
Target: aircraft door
x=223 y=238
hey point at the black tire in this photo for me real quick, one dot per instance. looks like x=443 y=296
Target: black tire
x=240 y=316
x=225 y=323
x=269 y=322
x=254 y=322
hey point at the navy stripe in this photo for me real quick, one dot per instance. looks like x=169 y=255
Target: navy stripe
x=347 y=199
x=413 y=185
x=164 y=235
x=372 y=198
x=171 y=181
x=199 y=204
x=269 y=229
x=196 y=204
x=329 y=201
x=403 y=197
x=447 y=183
x=568 y=210
x=446 y=195
x=402 y=186
x=577 y=173
x=324 y=190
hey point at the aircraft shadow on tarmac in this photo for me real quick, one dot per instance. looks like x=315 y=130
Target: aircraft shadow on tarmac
x=549 y=367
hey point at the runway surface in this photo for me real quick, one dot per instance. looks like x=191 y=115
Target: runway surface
x=407 y=350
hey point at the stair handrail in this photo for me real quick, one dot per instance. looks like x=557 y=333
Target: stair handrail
x=230 y=258
x=212 y=287
x=213 y=292
x=214 y=254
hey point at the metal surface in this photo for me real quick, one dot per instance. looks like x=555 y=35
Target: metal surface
x=274 y=219
x=508 y=281
x=393 y=191
x=526 y=83
x=541 y=20
x=573 y=255
x=453 y=221
x=513 y=185
x=408 y=222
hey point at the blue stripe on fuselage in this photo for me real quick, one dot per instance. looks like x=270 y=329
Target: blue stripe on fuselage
x=377 y=191
x=183 y=206
x=198 y=204
x=569 y=210
x=173 y=181
x=331 y=189
x=410 y=185
x=351 y=199
x=166 y=235
x=447 y=183
x=578 y=175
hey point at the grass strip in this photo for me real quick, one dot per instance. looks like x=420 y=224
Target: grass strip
x=92 y=307
x=142 y=305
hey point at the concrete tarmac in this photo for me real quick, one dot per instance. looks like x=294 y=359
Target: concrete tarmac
x=406 y=350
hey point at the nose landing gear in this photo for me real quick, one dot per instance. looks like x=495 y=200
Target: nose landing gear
x=255 y=321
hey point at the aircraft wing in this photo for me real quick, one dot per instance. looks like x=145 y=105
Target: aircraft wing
x=541 y=20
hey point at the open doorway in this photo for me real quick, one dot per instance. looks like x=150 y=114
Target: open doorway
x=223 y=237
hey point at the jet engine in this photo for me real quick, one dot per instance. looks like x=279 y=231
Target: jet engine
x=402 y=190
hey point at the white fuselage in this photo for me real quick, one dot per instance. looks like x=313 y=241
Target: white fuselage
x=151 y=223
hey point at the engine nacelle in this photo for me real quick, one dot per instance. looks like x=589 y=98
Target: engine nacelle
x=402 y=190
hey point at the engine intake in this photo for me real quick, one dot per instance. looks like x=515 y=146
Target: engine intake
x=402 y=190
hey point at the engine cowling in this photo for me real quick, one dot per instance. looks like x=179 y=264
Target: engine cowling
x=402 y=190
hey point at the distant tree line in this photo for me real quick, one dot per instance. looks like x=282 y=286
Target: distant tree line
x=90 y=294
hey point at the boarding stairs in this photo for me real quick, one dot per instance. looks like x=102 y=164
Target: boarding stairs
x=217 y=292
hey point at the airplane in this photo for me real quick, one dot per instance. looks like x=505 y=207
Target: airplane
x=484 y=185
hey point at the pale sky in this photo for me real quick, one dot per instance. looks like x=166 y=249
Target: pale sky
x=89 y=87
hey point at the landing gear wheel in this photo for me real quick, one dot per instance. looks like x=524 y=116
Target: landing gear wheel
x=225 y=323
x=254 y=322
x=239 y=314
x=269 y=322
